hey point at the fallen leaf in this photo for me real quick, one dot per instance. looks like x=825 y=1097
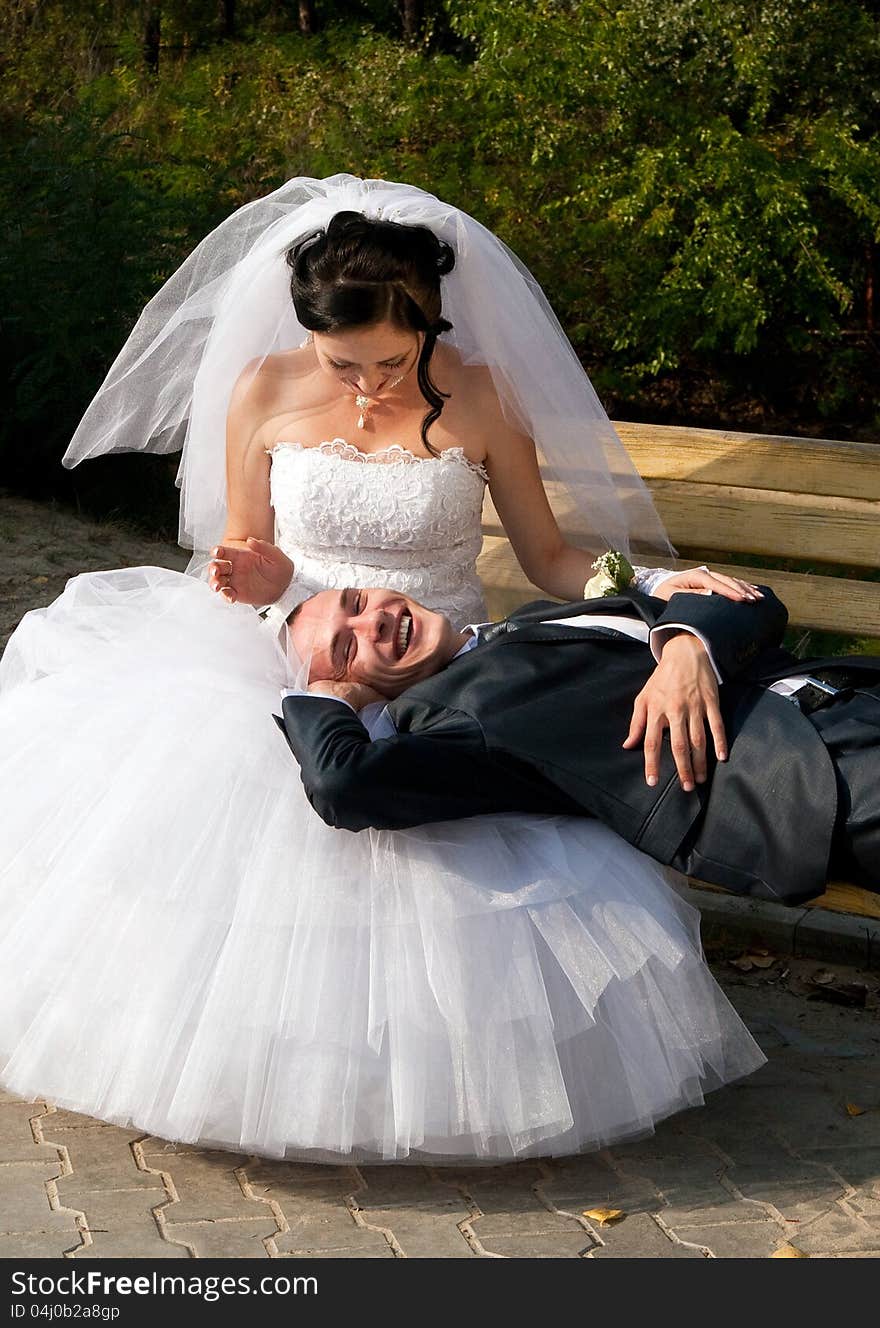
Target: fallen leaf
x=789 y=1251
x=605 y=1216
x=758 y=950
x=39 y=580
x=822 y=977
x=744 y=964
x=853 y=1110
x=762 y=961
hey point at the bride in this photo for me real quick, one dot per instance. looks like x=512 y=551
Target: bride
x=184 y=945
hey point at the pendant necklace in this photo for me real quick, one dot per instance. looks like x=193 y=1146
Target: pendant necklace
x=365 y=404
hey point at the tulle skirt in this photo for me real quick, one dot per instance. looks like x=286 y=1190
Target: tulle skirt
x=185 y=947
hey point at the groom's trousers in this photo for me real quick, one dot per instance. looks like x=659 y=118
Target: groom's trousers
x=849 y=728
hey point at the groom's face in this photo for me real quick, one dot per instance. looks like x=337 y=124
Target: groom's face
x=378 y=637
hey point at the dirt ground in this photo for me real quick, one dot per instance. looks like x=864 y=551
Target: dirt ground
x=43 y=545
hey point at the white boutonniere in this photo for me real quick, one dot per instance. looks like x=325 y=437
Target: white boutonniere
x=614 y=573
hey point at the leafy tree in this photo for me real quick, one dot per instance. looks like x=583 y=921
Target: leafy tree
x=696 y=185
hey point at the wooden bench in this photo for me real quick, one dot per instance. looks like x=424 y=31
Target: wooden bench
x=803 y=515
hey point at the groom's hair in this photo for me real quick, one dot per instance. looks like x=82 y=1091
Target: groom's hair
x=291 y=617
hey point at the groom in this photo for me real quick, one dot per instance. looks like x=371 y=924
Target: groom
x=543 y=713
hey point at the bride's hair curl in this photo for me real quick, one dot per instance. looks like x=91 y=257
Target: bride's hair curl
x=359 y=271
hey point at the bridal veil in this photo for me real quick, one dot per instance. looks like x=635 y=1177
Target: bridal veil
x=228 y=306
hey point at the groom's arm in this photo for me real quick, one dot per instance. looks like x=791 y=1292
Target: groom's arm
x=394 y=782
x=734 y=632
x=714 y=638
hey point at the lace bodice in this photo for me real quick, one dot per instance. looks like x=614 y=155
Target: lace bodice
x=388 y=518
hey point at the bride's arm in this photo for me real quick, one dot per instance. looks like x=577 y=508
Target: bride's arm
x=248 y=567
x=546 y=557
x=517 y=490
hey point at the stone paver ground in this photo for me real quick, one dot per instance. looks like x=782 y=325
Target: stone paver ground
x=777 y=1158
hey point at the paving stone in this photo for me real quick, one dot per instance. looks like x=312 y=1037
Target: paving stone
x=516 y=1210
x=737 y=1240
x=413 y=1190
x=270 y=1180
x=797 y=1195
x=666 y=1144
x=631 y=1194
x=523 y=1245
x=862 y=1132
x=206 y=1185
x=292 y=1176
x=708 y=1204
x=510 y=1175
x=38 y=1244
x=344 y=1252
x=16 y=1137
x=24 y=1203
x=638 y=1237
x=422 y=1234
x=122 y=1224
x=859 y=1167
x=101 y=1159
x=60 y=1119
x=851 y=1254
x=128 y=1243
x=327 y=1227
x=36 y=1104
x=679 y=1189
x=152 y=1144
x=538 y=1221
x=836 y=1232
x=395 y=1184
x=225 y=1240
x=320 y=1214
x=864 y=1204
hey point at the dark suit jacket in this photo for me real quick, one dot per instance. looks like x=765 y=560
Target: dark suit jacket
x=534 y=721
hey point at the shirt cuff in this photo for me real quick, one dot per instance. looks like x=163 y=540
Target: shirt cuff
x=275 y=615
x=647 y=579
x=658 y=636
x=315 y=696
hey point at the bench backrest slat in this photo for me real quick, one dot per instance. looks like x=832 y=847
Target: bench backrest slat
x=809 y=500
x=754 y=461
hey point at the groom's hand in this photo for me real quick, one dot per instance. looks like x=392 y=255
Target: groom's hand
x=681 y=695
x=251 y=571
x=357 y=694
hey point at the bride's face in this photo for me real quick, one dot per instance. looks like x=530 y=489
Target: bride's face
x=368 y=359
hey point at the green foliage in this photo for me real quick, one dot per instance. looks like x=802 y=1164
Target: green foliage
x=695 y=184
x=713 y=166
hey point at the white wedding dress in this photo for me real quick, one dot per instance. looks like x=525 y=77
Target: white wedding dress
x=185 y=946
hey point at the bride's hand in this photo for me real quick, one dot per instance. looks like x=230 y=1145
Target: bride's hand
x=254 y=572
x=699 y=580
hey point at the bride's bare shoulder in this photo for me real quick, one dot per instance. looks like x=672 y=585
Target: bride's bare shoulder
x=264 y=389
x=269 y=375
x=265 y=384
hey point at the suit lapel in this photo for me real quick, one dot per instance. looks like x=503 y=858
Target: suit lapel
x=532 y=622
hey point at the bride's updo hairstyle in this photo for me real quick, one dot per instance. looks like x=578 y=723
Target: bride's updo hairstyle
x=360 y=271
